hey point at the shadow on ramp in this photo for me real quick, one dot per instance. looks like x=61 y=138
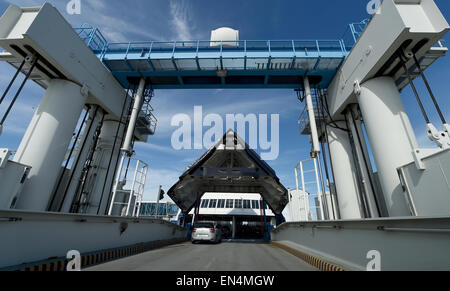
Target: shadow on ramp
x=246 y=241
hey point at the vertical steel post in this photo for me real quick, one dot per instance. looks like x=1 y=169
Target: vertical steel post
x=312 y=116
x=305 y=193
x=296 y=178
x=132 y=188
x=319 y=191
x=116 y=184
x=137 y=106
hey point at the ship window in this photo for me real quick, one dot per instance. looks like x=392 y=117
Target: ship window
x=229 y=203
x=255 y=204
x=221 y=203
x=205 y=203
x=246 y=204
x=213 y=203
x=238 y=203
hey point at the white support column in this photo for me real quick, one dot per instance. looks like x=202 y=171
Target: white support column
x=137 y=106
x=391 y=137
x=364 y=163
x=46 y=141
x=344 y=172
x=97 y=199
x=312 y=116
x=95 y=117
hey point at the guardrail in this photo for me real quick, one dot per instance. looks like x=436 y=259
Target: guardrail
x=35 y=236
x=353 y=32
x=306 y=46
x=93 y=38
x=398 y=241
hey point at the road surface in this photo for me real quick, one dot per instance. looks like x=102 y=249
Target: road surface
x=227 y=256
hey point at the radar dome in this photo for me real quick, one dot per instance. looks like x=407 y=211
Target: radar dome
x=225 y=35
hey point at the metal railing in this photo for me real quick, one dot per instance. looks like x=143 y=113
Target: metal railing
x=310 y=184
x=163 y=210
x=303 y=120
x=146 y=113
x=144 y=48
x=129 y=188
x=353 y=32
x=93 y=38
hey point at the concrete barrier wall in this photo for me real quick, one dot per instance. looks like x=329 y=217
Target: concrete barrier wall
x=28 y=237
x=408 y=244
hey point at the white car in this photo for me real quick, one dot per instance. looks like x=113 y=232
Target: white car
x=207 y=232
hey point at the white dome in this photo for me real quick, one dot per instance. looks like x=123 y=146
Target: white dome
x=225 y=35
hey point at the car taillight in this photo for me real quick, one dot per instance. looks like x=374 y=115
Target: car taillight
x=213 y=230
x=194 y=230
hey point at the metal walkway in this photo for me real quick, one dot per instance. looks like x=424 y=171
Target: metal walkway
x=206 y=64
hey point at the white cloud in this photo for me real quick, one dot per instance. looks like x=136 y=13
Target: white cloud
x=180 y=12
x=14 y=129
x=114 y=27
x=105 y=15
x=155 y=147
x=97 y=4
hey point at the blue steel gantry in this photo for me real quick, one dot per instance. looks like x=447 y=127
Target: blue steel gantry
x=206 y=64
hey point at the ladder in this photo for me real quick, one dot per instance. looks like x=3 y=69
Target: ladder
x=128 y=193
x=311 y=187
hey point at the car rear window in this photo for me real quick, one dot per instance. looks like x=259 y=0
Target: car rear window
x=204 y=225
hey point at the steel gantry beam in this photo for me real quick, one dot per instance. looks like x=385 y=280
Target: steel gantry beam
x=241 y=64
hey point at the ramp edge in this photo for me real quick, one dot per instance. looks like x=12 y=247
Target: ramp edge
x=94 y=258
x=314 y=261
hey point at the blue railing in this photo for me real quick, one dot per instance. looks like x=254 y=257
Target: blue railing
x=353 y=33
x=98 y=43
x=305 y=46
x=93 y=38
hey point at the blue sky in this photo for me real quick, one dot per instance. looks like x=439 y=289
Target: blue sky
x=144 y=20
